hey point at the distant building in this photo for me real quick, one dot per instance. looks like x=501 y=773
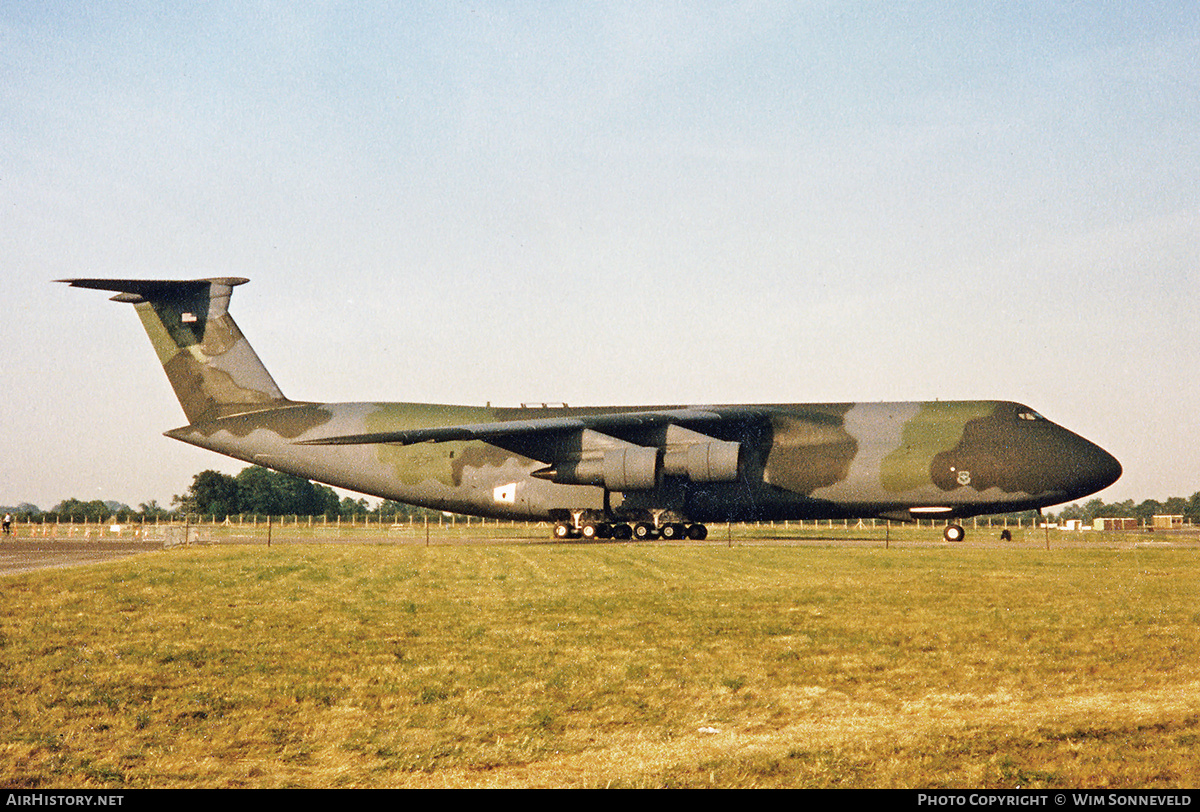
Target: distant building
x=1110 y=523
x=1165 y=522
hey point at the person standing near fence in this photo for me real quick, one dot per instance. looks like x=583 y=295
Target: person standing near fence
x=8 y=524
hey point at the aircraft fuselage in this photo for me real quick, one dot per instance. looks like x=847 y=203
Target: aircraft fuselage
x=800 y=461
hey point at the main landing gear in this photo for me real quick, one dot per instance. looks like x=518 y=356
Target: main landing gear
x=954 y=532
x=622 y=531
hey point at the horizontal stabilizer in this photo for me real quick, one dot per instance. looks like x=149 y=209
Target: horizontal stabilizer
x=136 y=290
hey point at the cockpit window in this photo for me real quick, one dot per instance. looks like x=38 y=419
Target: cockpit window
x=1031 y=416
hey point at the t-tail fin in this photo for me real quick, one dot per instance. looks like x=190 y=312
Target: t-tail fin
x=211 y=366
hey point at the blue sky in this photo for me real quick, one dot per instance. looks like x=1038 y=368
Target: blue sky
x=604 y=203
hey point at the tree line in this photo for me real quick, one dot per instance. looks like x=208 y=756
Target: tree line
x=263 y=492
x=255 y=491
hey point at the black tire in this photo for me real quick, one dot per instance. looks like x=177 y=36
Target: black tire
x=954 y=533
x=643 y=531
x=697 y=532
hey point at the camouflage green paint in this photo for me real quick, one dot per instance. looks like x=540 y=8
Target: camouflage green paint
x=425 y=462
x=936 y=428
x=996 y=448
x=810 y=449
x=208 y=361
x=289 y=423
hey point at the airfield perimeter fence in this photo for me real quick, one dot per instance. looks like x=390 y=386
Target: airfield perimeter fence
x=257 y=529
x=208 y=529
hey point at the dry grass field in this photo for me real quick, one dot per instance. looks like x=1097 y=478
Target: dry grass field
x=514 y=664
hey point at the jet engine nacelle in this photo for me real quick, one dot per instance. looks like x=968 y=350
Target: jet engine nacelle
x=637 y=468
x=704 y=462
x=617 y=469
x=631 y=469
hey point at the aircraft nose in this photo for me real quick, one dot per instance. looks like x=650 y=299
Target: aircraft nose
x=1108 y=468
x=1091 y=468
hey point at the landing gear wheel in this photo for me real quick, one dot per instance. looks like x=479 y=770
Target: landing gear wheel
x=954 y=532
x=562 y=531
x=643 y=531
x=697 y=532
x=671 y=532
x=622 y=531
x=591 y=532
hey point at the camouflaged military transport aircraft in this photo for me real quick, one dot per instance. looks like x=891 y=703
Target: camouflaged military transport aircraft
x=613 y=472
